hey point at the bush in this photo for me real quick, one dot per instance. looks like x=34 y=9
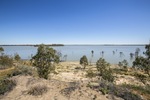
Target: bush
x=108 y=75
x=84 y=61
x=123 y=64
x=44 y=60
x=24 y=70
x=143 y=62
x=90 y=73
x=104 y=70
x=17 y=57
x=6 y=85
x=1 y=49
x=120 y=91
x=38 y=90
x=102 y=65
x=5 y=61
x=141 y=77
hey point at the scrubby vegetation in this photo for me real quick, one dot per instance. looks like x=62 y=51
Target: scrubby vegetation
x=38 y=90
x=121 y=91
x=6 y=85
x=44 y=60
x=23 y=70
x=6 y=61
x=123 y=64
x=1 y=49
x=84 y=61
x=104 y=70
x=17 y=57
x=143 y=63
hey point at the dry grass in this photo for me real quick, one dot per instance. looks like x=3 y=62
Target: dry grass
x=38 y=90
x=5 y=72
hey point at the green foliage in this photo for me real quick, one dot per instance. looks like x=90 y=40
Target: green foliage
x=102 y=65
x=147 y=53
x=5 y=61
x=84 y=61
x=123 y=64
x=44 y=60
x=120 y=91
x=142 y=89
x=90 y=73
x=141 y=77
x=143 y=62
x=104 y=91
x=38 y=90
x=17 y=57
x=1 y=49
x=104 y=70
x=23 y=70
x=6 y=85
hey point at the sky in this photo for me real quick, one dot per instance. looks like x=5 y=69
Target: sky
x=74 y=21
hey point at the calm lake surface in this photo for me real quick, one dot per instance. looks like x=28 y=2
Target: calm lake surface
x=74 y=53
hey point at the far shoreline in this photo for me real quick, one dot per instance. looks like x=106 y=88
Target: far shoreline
x=73 y=45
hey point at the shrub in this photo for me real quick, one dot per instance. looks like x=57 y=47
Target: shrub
x=143 y=62
x=1 y=49
x=24 y=70
x=17 y=57
x=104 y=70
x=102 y=65
x=120 y=91
x=84 y=61
x=6 y=85
x=38 y=90
x=123 y=64
x=5 y=61
x=108 y=75
x=141 y=77
x=90 y=73
x=44 y=60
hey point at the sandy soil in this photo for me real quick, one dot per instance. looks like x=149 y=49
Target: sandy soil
x=68 y=84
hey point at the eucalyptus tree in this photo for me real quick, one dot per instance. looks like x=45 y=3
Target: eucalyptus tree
x=137 y=51
x=104 y=70
x=143 y=62
x=1 y=50
x=92 y=54
x=84 y=61
x=44 y=60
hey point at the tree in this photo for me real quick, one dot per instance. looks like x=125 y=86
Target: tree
x=1 y=49
x=5 y=61
x=17 y=57
x=102 y=65
x=104 y=70
x=92 y=54
x=123 y=64
x=143 y=62
x=44 y=60
x=137 y=51
x=84 y=61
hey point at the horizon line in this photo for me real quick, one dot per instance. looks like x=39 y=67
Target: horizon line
x=72 y=44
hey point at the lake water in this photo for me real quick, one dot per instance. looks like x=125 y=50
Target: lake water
x=74 y=53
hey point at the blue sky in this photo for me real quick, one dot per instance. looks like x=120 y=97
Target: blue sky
x=74 y=21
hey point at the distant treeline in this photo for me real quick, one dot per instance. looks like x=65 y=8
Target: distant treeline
x=32 y=45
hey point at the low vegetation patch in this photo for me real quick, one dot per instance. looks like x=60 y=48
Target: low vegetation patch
x=5 y=61
x=90 y=73
x=24 y=70
x=6 y=85
x=37 y=90
x=109 y=88
x=142 y=90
